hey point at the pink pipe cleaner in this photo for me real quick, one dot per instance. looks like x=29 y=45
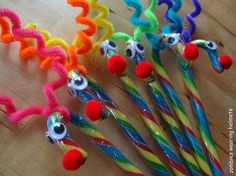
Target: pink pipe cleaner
x=48 y=89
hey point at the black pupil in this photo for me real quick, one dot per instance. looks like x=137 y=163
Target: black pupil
x=210 y=44
x=102 y=52
x=59 y=129
x=111 y=43
x=79 y=81
x=128 y=52
x=171 y=40
x=140 y=47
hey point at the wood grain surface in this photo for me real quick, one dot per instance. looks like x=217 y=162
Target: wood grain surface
x=24 y=151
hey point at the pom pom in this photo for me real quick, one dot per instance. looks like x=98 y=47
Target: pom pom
x=191 y=52
x=116 y=64
x=94 y=110
x=225 y=61
x=72 y=160
x=144 y=69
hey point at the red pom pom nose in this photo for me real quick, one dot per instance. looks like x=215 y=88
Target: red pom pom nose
x=225 y=61
x=116 y=64
x=191 y=52
x=72 y=160
x=94 y=110
x=144 y=69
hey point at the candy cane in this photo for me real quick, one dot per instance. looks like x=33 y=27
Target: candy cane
x=57 y=134
x=219 y=64
x=175 y=101
x=109 y=50
x=74 y=156
x=105 y=145
x=137 y=56
x=48 y=90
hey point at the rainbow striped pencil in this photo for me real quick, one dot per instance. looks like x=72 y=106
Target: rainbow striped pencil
x=105 y=145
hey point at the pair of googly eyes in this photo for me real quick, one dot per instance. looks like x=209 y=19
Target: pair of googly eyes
x=78 y=82
x=106 y=46
x=134 y=48
x=57 y=131
x=211 y=45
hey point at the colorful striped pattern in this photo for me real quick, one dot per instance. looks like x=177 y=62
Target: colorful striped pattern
x=142 y=146
x=200 y=114
x=176 y=130
x=179 y=110
x=67 y=143
x=105 y=145
x=156 y=131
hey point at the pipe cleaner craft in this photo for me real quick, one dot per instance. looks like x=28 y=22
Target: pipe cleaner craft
x=75 y=154
x=117 y=65
x=190 y=52
x=219 y=63
x=135 y=51
x=167 y=86
x=57 y=131
x=87 y=89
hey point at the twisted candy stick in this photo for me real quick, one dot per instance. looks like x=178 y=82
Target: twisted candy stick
x=194 y=96
x=129 y=129
x=165 y=110
x=176 y=103
x=137 y=139
x=219 y=64
x=57 y=134
x=66 y=143
x=105 y=145
x=82 y=39
x=101 y=21
x=99 y=139
x=87 y=95
x=180 y=112
x=147 y=116
x=168 y=116
x=71 y=157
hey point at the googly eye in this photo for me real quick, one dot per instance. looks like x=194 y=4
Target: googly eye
x=211 y=45
x=106 y=46
x=130 y=51
x=78 y=83
x=173 y=39
x=57 y=131
x=112 y=44
x=103 y=51
x=140 y=48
